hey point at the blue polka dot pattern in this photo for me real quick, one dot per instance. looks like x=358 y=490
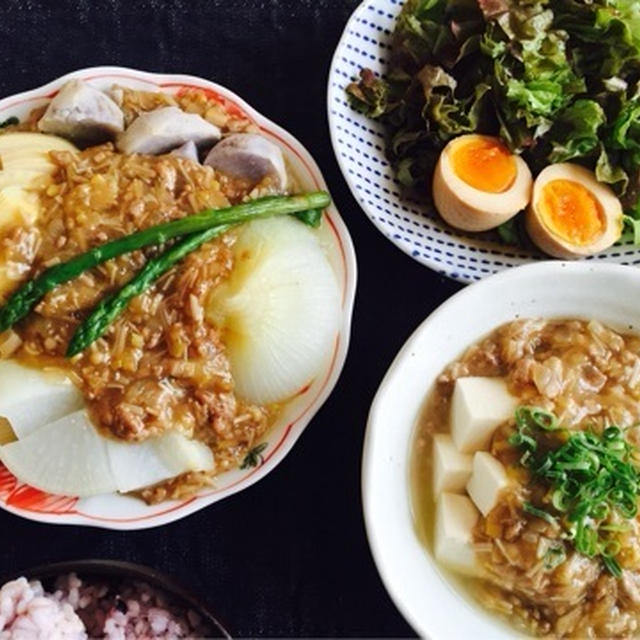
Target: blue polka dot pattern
x=359 y=147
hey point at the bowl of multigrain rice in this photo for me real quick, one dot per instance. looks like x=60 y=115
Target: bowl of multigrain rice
x=102 y=599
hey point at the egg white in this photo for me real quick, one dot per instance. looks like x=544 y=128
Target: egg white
x=546 y=239
x=469 y=209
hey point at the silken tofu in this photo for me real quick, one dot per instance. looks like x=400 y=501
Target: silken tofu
x=451 y=469
x=479 y=405
x=488 y=479
x=456 y=516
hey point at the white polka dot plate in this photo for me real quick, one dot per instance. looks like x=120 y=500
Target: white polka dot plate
x=358 y=143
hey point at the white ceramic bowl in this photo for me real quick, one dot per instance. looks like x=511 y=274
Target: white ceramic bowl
x=547 y=289
x=358 y=143
x=122 y=512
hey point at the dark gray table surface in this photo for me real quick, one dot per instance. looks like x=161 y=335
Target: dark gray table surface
x=289 y=556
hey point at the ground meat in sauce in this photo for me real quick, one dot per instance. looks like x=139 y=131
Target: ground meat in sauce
x=589 y=375
x=160 y=365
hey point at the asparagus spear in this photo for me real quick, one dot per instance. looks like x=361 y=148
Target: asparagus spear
x=25 y=298
x=312 y=217
x=110 y=308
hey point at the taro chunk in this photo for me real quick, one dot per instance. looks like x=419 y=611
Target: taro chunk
x=188 y=150
x=83 y=114
x=161 y=130
x=251 y=157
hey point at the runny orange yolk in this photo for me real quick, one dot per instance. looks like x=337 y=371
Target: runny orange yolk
x=571 y=211
x=484 y=164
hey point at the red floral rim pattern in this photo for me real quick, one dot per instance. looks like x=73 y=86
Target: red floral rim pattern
x=18 y=497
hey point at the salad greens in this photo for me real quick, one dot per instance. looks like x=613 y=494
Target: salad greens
x=592 y=481
x=558 y=80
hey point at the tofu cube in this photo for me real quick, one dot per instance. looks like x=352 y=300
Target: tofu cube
x=488 y=479
x=456 y=516
x=451 y=469
x=479 y=405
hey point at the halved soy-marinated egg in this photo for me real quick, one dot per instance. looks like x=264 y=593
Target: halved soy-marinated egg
x=478 y=183
x=572 y=214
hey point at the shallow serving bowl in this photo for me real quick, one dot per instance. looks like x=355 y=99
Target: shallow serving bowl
x=547 y=290
x=358 y=143
x=127 y=571
x=123 y=512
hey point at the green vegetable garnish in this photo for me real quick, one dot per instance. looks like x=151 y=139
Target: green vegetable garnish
x=27 y=296
x=9 y=122
x=557 y=80
x=98 y=321
x=311 y=217
x=554 y=557
x=539 y=513
x=512 y=232
x=631 y=229
x=593 y=481
x=612 y=566
x=254 y=456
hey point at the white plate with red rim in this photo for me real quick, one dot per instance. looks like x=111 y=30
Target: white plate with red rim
x=115 y=511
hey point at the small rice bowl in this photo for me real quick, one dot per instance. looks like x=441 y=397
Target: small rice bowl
x=77 y=609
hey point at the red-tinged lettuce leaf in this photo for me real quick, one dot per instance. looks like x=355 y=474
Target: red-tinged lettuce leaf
x=555 y=79
x=493 y=8
x=370 y=95
x=625 y=132
x=445 y=115
x=630 y=230
x=436 y=32
x=575 y=134
x=430 y=121
x=419 y=101
x=532 y=78
x=609 y=171
x=605 y=34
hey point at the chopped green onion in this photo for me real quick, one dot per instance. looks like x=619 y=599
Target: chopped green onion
x=539 y=513
x=601 y=511
x=612 y=566
x=593 y=480
x=554 y=557
x=618 y=528
x=519 y=439
x=610 y=548
x=586 y=539
x=559 y=500
x=536 y=416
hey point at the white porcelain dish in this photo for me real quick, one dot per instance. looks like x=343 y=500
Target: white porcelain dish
x=358 y=143
x=122 y=512
x=421 y=591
